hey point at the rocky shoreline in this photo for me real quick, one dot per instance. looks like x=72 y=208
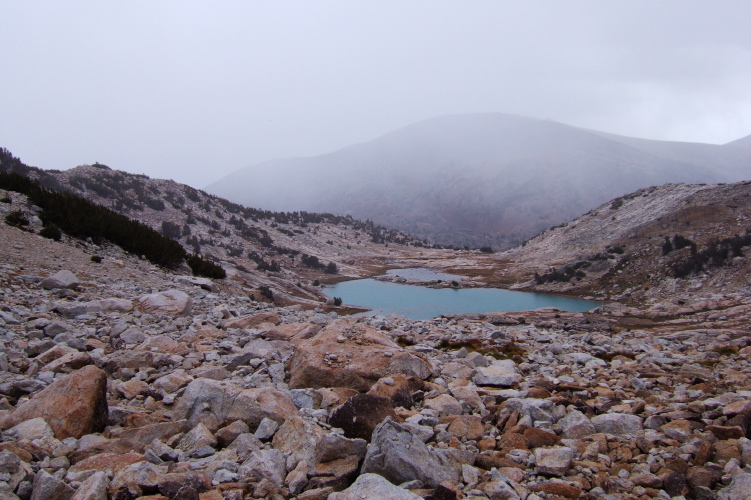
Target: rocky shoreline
x=120 y=380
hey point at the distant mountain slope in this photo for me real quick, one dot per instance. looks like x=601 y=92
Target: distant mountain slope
x=674 y=240
x=258 y=248
x=479 y=179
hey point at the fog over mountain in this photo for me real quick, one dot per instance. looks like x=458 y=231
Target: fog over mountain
x=480 y=179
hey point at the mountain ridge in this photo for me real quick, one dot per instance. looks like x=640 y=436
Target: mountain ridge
x=479 y=179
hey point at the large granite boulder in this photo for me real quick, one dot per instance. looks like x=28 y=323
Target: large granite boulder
x=73 y=405
x=373 y=486
x=170 y=303
x=348 y=354
x=217 y=403
x=400 y=456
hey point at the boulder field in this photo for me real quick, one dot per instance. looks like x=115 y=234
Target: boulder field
x=167 y=391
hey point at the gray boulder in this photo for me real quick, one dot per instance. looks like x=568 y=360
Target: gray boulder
x=48 y=487
x=399 y=456
x=553 y=461
x=537 y=409
x=501 y=373
x=61 y=279
x=373 y=486
x=739 y=488
x=93 y=488
x=171 y=303
x=618 y=424
x=576 y=425
x=269 y=464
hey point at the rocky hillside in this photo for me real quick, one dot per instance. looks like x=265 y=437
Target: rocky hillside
x=122 y=380
x=673 y=241
x=485 y=179
x=277 y=255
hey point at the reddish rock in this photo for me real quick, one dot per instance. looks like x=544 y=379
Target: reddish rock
x=146 y=434
x=725 y=450
x=723 y=432
x=68 y=363
x=704 y=476
x=467 y=427
x=741 y=407
x=557 y=489
x=511 y=441
x=538 y=437
x=489 y=459
x=163 y=344
x=251 y=321
x=348 y=354
x=73 y=405
x=361 y=414
x=117 y=446
x=110 y=463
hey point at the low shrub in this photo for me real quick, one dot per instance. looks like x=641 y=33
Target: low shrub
x=205 y=268
x=51 y=231
x=16 y=218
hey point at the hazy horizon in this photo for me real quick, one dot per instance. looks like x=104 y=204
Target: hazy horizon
x=193 y=92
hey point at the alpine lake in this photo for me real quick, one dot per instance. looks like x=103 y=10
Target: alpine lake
x=420 y=302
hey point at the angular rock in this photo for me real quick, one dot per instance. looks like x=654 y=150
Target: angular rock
x=467 y=427
x=32 y=429
x=537 y=438
x=170 y=303
x=576 y=425
x=348 y=354
x=173 y=381
x=502 y=373
x=444 y=404
x=618 y=424
x=73 y=405
x=361 y=414
x=110 y=463
x=537 y=409
x=68 y=363
x=266 y=429
x=251 y=321
x=48 y=487
x=553 y=461
x=116 y=305
x=227 y=434
x=399 y=456
x=137 y=477
x=739 y=488
x=400 y=389
x=61 y=279
x=215 y=403
x=196 y=438
x=499 y=490
x=269 y=464
x=374 y=486
x=93 y=488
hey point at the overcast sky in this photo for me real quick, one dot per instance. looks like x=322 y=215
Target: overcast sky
x=196 y=90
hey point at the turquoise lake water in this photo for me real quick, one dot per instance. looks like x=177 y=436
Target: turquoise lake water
x=418 y=302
